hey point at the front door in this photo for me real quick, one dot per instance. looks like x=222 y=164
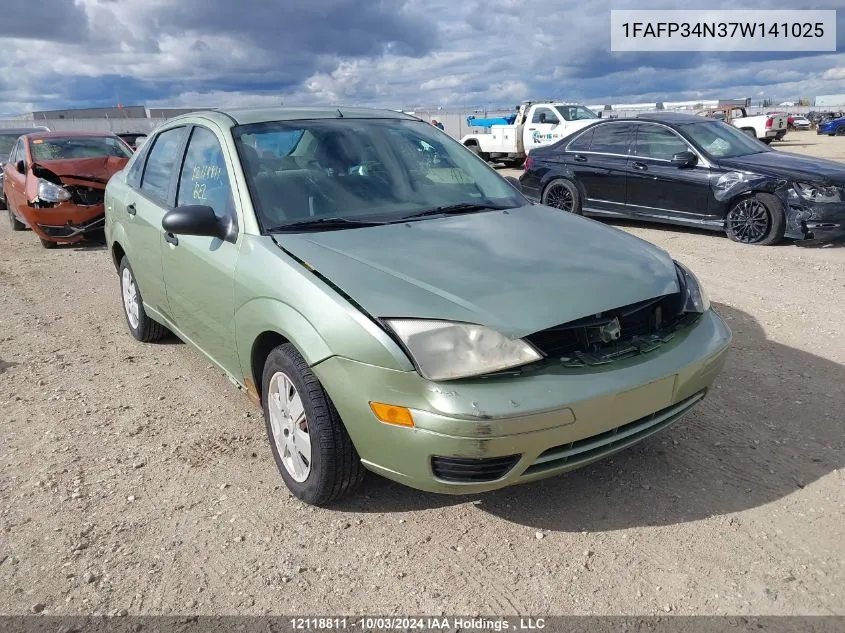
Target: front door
x=538 y=131
x=15 y=182
x=199 y=271
x=145 y=203
x=655 y=187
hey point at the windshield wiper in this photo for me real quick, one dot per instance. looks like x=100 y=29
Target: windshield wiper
x=323 y=223
x=462 y=207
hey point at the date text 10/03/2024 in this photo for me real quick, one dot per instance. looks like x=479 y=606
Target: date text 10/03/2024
x=418 y=623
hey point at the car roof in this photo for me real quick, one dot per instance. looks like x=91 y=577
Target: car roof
x=672 y=117
x=245 y=116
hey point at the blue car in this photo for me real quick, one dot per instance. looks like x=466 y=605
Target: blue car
x=833 y=127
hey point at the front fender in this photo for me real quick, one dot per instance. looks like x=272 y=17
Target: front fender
x=270 y=315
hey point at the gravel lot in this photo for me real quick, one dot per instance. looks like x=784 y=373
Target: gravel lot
x=136 y=478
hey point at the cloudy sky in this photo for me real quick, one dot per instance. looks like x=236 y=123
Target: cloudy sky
x=78 y=53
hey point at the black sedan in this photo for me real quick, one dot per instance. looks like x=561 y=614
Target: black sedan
x=692 y=171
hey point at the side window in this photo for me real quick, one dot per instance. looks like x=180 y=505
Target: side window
x=161 y=163
x=204 y=179
x=133 y=176
x=13 y=157
x=582 y=143
x=654 y=141
x=544 y=115
x=612 y=138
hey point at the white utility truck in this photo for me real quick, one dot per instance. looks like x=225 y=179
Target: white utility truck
x=764 y=127
x=509 y=139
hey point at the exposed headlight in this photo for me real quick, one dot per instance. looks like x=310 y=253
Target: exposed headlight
x=818 y=193
x=445 y=350
x=695 y=299
x=49 y=192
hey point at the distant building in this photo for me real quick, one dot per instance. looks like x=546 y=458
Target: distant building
x=829 y=101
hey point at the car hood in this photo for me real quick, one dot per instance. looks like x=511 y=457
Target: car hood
x=518 y=271
x=97 y=169
x=788 y=165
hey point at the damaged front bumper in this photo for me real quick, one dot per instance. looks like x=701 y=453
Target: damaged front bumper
x=64 y=222
x=814 y=223
x=488 y=433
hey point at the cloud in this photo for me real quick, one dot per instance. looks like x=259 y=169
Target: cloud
x=76 y=53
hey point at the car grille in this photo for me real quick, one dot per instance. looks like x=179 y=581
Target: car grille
x=86 y=196
x=592 y=448
x=470 y=470
x=649 y=317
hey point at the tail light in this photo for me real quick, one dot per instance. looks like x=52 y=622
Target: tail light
x=769 y=123
x=528 y=164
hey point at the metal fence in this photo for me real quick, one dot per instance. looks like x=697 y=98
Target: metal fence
x=85 y=125
x=454 y=119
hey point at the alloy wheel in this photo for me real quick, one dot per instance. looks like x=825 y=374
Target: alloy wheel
x=749 y=221
x=130 y=298
x=289 y=426
x=560 y=197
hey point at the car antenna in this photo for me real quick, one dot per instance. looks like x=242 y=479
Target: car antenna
x=339 y=113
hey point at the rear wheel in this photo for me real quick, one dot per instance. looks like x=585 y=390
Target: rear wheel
x=750 y=131
x=767 y=141
x=17 y=225
x=840 y=131
x=310 y=445
x=477 y=151
x=562 y=194
x=756 y=219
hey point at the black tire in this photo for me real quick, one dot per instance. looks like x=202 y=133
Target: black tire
x=840 y=131
x=17 y=225
x=750 y=131
x=145 y=330
x=756 y=220
x=48 y=244
x=767 y=141
x=562 y=194
x=334 y=468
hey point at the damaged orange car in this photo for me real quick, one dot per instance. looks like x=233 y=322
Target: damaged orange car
x=54 y=183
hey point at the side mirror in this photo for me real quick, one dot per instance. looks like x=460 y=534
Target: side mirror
x=515 y=182
x=21 y=167
x=684 y=159
x=194 y=219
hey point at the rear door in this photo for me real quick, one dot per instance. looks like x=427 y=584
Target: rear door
x=598 y=159
x=152 y=188
x=199 y=271
x=657 y=188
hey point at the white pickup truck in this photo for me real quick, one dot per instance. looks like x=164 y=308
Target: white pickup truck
x=509 y=139
x=764 y=127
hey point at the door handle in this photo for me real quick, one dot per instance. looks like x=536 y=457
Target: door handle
x=172 y=239
x=532 y=129
x=130 y=209
x=639 y=166
x=578 y=158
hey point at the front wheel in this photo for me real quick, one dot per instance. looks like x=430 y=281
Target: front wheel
x=142 y=327
x=17 y=225
x=311 y=448
x=562 y=194
x=756 y=219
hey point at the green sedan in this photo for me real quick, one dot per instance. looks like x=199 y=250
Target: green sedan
x=395 y=305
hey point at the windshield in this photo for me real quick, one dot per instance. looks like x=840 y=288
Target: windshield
x=74 y=147
x=721 y=140
x=7 y=143
x=576 y=113
x=362 y=170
